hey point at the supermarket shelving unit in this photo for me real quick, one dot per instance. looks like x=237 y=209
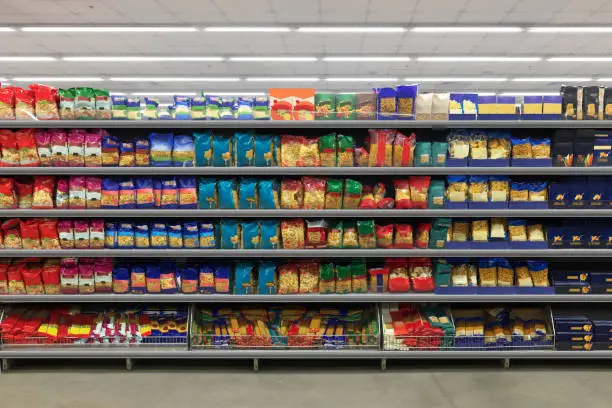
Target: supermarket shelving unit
x=129 y=353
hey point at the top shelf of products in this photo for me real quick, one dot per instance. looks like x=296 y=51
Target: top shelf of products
x=302 y=124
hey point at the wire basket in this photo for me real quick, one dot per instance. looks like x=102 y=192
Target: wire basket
x=274 y=342
x=85 y=342
x=468 y=343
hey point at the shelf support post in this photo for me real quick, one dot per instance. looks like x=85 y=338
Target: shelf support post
x=506 y=363
x=128 y=364
x=383 y=364
x=255 y=364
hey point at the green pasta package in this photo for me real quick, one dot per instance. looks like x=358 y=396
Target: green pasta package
x=327 y=278
x=328 y=150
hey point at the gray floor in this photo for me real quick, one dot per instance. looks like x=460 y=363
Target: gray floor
x=354 y=387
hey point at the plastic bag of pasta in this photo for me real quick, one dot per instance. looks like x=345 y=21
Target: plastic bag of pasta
x=292 y=194
x=335 y=234
x=403 y=150
x=381 y=147
x=352 y=194
x=268 y=194
x=327 y=150
x=290 y=150
x=309 y=153
x=293 y=233
x=228 y=196
x=314 y=193
x=346 y=151
x=333 y=194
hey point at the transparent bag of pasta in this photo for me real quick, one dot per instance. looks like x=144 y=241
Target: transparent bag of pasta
x=381 y=147
x=314 y=193
x=290 y=150
x=403 y=150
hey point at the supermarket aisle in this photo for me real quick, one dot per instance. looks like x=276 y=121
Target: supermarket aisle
x=422 y=388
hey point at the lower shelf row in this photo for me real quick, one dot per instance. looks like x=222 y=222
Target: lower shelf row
x=392 y=327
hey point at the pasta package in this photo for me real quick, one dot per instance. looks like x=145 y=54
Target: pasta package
x=208 y=193
x=92 y=150
x=352 y=194
x=10 y=149
x=8 y=199
x=43 y=192
x=381 y=147
x=203 y=149
x=403 y=150
x=309 y=153
x=45 y=102
x=228 y=194
x=187 y=192
x=7 y=103
x=43 y=143
x=402 y=194
x=293 y=234
x=244 y=154
x=316 y=234
x=457 y=190
x=479 y=189
x=161 y=149
x=499 y=145
x=314 y=193
x=333 y=195
x=346 y=151
x=248 y=197
x=265 y=146
x=28 y=153
x=267 y=190
x=419 y=187
x=499 y=188
x=328 y=150
x=458 y=145
x=292 y=194
x=290 y=150
x=478 y=146
x=540 y=148
x=183 y=151
x=521 y=148
x=127 y=154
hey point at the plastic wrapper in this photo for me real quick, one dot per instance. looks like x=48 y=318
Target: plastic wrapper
x=381 y=148
x=314 y=193
x=478 y=146
x=292 y=194
x=346 y=151
x=293 y=233
x=403 y=150
x=352 y=194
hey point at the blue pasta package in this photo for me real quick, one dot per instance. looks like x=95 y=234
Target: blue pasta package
x=144 y=193
x=230 y=234
x=268 y=194
x=175 y=235
x=191 y=235
x=251 y=238
x=247 y=196
x=161 y=149
x=266 y=280
x=228 y=196
x=244 y=155
x=203 y=149
x=187 y=192
x=264 y=146
x=208 y=193
x=182 y=107
x=125 y=235
x=159 y=235
x=222 y=151
x=243 y=278
x=207 y=235
x=183 y=151
x=270 y=234
x=141 y=235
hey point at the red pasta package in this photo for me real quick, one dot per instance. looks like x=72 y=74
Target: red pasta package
x=30 y=235
x=32 y=279
x=45 y=98
x=419 y=187
x=421 y=274
x=10 y=150
x=93 y=192
x=15 y=279
x=49 y=238
x=81 y=234
x=386 y=203
x=8 y=200
x=51 y=277
x=384 y=236
x=65 y=231
x=314 y=193
x=62 y=194
x=399 y=278
x=7 y=103
x=402 y=194
x=422 y=235
x=28 y=153
x=367 y=198
x=96 y=234
x=43 y=145
x=77 y=193
x=381 y=147
x=24 y=104
x=76 y=148
x=12 y=236
x=403 y=236
x=59 y=148
x=316 y=234
x=25 y=194
x=3 y=278
x=43 y=192
x=403 y=150
x=93 y=150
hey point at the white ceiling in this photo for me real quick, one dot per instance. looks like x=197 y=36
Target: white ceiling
x=315 y=12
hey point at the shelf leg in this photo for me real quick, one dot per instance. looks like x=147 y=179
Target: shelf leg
x=6 y=365
x=383 y=364
x=506 y=363
x=255 y=364
x=128 y=364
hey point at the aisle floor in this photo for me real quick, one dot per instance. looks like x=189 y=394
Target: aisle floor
x=355 y=386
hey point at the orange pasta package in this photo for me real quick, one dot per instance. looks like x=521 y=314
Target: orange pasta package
x=43 y=192
x=381 y=147
x=403 y=150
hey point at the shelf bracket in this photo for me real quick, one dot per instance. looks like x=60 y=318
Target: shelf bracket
x=6 y=365
x=128 y=364
x=506 y=363
x=383 y=364
x=255 y=364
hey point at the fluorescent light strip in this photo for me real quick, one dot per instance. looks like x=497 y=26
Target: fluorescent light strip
x=479 y=59
x=174 y=79
x=231 y=29
x=579 y=59
x=451 y=79
x=555 y=79
x=107 y=29
x=273 y=59
x=153 y=93
x=26 y=59
x=58 y=79
x=140 y=59
x=341 y=30
x=460 y=29
x=570 y=30
x=530 y=93
x=383 y=79
x=604 y=80
x=280 y=79
x=365 y=59
x=3 y=80
x=6 y=29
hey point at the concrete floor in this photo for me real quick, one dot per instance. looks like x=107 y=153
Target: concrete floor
x=355 y=387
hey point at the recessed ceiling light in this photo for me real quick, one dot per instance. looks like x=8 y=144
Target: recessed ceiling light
x=460 y=29
x=153 y=93
x=553 y=79
x=530 y=93
x=363 y=79
x=478 y=59
x=572 y=30
x=273 y=59
x=580 y=59
x=26 y=59
x=365 y=59
x=140 y=59
x=315 y=29
x=175 y=79
x=248 y=29
x=281 y=79
x=458 y=79
x=107 y=29
x=58 y=79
